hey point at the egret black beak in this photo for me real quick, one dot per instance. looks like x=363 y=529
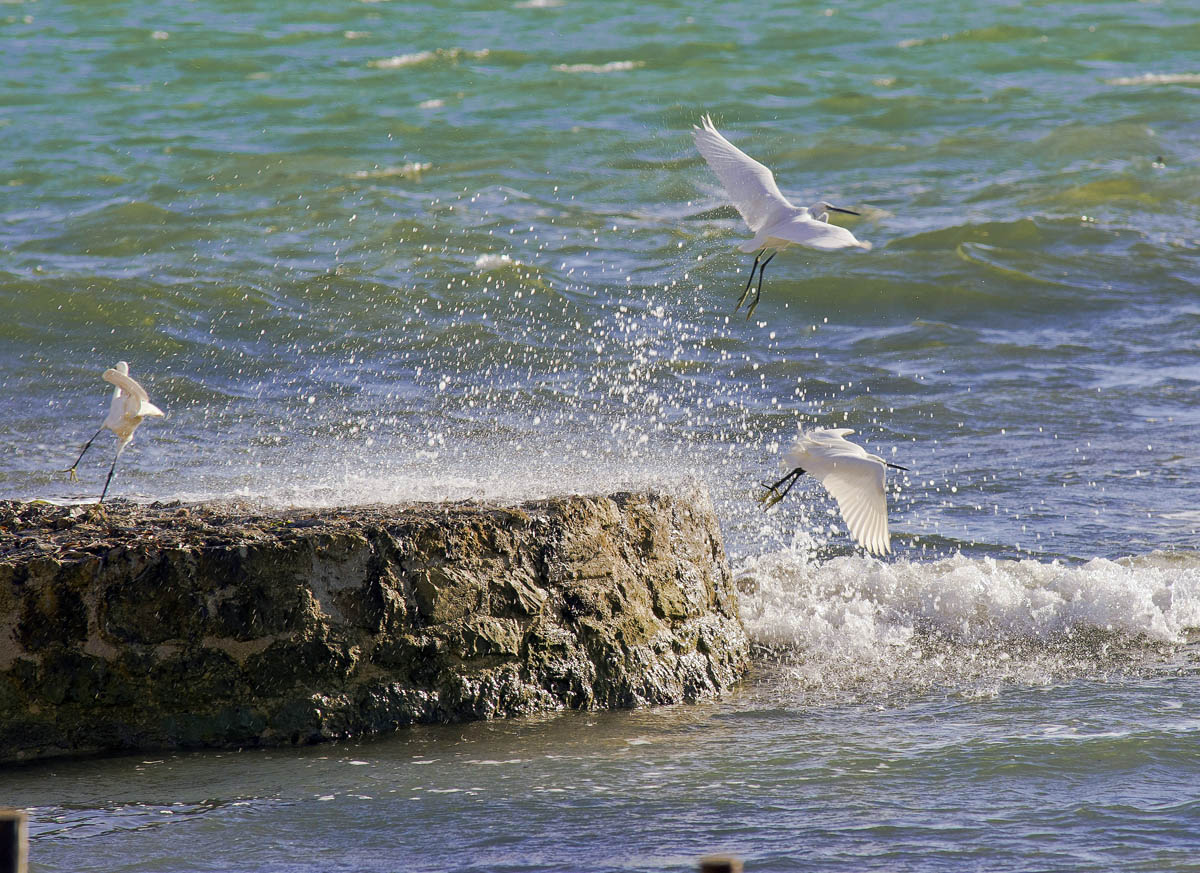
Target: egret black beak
x=896 y=466
x=840 y=209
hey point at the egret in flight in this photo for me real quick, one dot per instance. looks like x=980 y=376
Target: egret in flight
x=775 y=222
x=854 y=478
x=130 y=404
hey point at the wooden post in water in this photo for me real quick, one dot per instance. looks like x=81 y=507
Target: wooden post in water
x=14 y=841
x=720 y=864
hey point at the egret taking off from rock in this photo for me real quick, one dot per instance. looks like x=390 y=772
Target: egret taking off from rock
x=854 y=478
x=130 y=404
x=775 y=222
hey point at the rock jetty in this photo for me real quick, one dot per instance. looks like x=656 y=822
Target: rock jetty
x=138 y=627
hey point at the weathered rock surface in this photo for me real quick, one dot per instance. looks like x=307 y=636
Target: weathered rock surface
x=139 y=627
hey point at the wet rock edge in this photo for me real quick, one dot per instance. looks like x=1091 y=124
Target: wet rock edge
x=143 y=627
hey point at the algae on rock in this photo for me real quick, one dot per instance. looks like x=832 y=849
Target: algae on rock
x=139 y=627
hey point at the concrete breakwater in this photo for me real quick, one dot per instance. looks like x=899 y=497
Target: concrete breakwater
x=167 y=626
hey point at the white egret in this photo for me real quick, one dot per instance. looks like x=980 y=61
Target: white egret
x=775 y=222
x=854 y=477
x=130 y=405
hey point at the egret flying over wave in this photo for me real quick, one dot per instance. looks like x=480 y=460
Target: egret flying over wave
x=854 y=477
x=130 y=405
x=775 y=222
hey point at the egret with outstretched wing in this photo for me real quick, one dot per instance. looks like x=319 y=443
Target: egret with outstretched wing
x=774 y=221
x=854 y=477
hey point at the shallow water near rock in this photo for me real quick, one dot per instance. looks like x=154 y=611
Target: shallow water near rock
x=378 y=253
x=938 y=782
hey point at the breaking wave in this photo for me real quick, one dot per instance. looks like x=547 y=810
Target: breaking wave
x=854 y=623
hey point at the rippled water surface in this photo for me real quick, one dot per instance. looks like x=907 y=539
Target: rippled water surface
x=380 y=251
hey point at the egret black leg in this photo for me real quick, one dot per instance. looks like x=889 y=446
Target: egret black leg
x=71 y=470
x=774 y=495
x=109 y=479
x=794 y=476
x=758 y=292
x=749 y=281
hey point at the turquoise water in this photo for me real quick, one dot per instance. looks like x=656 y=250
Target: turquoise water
x=390 y=251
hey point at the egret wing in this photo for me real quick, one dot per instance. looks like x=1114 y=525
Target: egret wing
x=749 y=184
x=133 y=389
x=814 y=449
x=855 y=479
x=857 y=484
x=127 y=384
x=835 y=436
x=814 y=234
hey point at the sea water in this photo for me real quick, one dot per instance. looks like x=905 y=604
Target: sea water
x=384 y=251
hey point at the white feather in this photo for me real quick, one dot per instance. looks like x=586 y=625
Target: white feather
x=854 y=478
x=774 y=220
x=749 y=184
x=130 y=404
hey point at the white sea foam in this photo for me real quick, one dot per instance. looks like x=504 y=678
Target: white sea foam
x=1157 y=79
x=538 y=4
x=610 y=67
x=408 y=60
x=491 y=262
x=420 y=477
x=414 y=59
x=854 y=620
x=410 y=170
x=855 y=602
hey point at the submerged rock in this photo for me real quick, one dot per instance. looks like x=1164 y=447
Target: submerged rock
x=137 y=627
